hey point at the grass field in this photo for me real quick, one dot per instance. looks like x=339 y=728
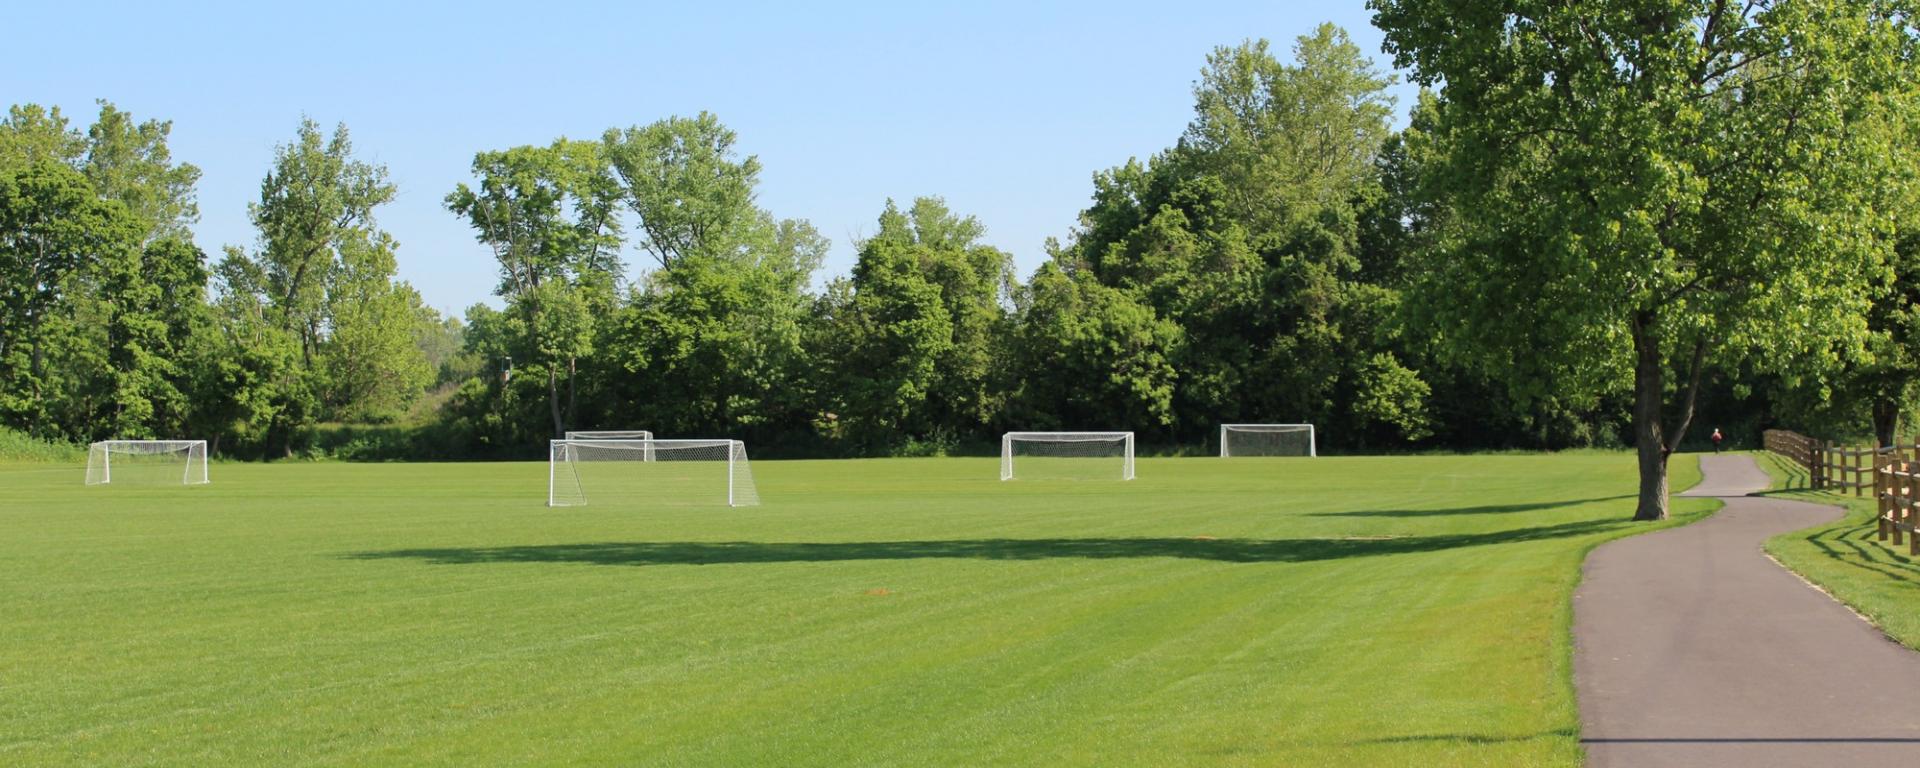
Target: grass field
x=1846 y=557
x=1335 y=611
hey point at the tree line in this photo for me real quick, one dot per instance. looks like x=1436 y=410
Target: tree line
x=1597 y=226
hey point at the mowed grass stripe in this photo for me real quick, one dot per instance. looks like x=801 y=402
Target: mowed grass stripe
x=1374 y=610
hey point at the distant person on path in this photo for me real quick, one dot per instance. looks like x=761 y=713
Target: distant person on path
x=1717 y=438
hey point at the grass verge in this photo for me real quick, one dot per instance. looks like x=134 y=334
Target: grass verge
x=1846 y=557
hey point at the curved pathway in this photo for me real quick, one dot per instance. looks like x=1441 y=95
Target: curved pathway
x=1693 y=648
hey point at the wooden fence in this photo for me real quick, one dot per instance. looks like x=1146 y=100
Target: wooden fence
x=1830 y=466
x=1803 y=451
x=1893 y=472
x=1899 y=494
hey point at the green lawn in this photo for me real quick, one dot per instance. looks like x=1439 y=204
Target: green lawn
x=1347 y=611
x=1846 y=557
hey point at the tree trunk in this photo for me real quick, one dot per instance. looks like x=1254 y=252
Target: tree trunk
x=553 y=400
x=573 y=391
x=1886 y=419
x=1648 y=383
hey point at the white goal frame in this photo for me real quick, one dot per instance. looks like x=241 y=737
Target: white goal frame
x=741 y=490
x=100 y=458
x=1007 y=442
x=1313 y=449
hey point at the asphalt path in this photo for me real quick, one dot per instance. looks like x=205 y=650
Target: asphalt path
x=1693 y=648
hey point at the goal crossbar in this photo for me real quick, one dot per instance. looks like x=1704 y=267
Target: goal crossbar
x=610 y=434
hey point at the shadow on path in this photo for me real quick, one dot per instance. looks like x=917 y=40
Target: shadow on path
x=1223 y=550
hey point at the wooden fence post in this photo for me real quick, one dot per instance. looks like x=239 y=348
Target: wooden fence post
x=1854 y=463
x=1816 y=473
x=1883 y=482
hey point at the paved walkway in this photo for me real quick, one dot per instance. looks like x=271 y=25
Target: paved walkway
x=1693 y=648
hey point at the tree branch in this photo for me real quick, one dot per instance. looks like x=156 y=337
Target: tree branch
x=1693 y=392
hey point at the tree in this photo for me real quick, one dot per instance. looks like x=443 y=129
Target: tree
x=112 y=290
x=315 y=201
x=1090 y=356
x=56 y=235
x=1249 y=235
x=927 y=326
x=708 y=346
x=323 y=274
x=549 y=214
x=1645 y=188
x=32 y=134
x=373 y=368
x=154 y=307
x=682 y=179
x=255 y=385
x=130 y=162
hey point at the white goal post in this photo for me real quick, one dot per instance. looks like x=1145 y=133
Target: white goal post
x=1075 y=455
x=1267 y=440
x=661 y=471
x=147 y=461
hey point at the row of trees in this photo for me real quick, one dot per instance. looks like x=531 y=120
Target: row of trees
x=1600 y=220
x=115 y=324
x=1251 y=272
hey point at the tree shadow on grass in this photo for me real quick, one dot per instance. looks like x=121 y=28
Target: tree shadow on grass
x=1490 y=509
x=1222 y=550
x=1857 y=546
x=1472 y=738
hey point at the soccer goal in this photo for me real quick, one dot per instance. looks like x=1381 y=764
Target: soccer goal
x=655 y=472
x=169 y=462
x=1066 y=455
x=1266 y=440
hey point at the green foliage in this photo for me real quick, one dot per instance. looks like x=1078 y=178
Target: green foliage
x=1648 y=190
x=915 y=342
x=372 y=365
x=708 y=345
x=550 y=216
x=130 y=162
x=18 y=446
x=681 y=178
x=1107 y=359
x=322 y=279
x=54 y=233
x=1248 y=237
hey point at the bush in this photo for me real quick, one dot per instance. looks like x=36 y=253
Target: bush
x=19 y=446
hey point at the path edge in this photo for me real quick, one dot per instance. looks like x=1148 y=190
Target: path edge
x=1564 y=661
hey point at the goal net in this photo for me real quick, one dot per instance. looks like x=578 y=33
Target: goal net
x=1266 y=440
x=170 y=462
x=652 y=472
x=1066 y=456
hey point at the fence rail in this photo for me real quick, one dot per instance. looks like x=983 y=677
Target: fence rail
x=1899 y=494
x=1797 y=448
x=1893 y=472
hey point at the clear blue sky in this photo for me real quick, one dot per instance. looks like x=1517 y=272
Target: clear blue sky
x=1006 y=109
